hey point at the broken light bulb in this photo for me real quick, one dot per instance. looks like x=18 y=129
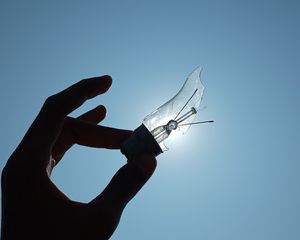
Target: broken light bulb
x=175 y=115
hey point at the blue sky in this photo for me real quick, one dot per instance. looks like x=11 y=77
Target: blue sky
x=235 y=179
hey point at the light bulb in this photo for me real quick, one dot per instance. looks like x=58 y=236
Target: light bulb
x=175 y=115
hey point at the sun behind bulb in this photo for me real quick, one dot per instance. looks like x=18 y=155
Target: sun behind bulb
x=175 y=115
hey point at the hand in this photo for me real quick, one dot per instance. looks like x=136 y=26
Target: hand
x=32 y=206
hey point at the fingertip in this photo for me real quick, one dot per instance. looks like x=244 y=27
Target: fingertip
x=103 y=83
x=100 y=113
x=108 y=80
x=101 y=109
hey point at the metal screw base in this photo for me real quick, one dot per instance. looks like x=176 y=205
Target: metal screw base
x=140 y=142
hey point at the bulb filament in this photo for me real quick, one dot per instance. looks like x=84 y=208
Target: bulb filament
x=162 y=132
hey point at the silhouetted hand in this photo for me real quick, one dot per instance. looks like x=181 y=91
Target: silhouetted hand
x=32 y=206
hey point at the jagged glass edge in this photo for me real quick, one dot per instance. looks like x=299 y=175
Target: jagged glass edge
x=201 y=87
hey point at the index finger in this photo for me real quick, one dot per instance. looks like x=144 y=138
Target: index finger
x=46 y=127
x=74 y=96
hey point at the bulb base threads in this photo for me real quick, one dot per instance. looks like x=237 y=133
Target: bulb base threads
x=140 y=142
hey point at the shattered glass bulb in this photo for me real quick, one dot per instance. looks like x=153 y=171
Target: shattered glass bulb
x=175 y=115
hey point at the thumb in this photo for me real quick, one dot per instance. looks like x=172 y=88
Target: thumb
x=125 y=185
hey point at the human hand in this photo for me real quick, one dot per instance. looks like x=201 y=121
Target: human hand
x=32 y=206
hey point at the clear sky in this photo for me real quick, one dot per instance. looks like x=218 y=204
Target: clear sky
x=237 y=178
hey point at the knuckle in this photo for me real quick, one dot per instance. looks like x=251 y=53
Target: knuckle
x=53 y=105
x=82 y=83
x=51 y=102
